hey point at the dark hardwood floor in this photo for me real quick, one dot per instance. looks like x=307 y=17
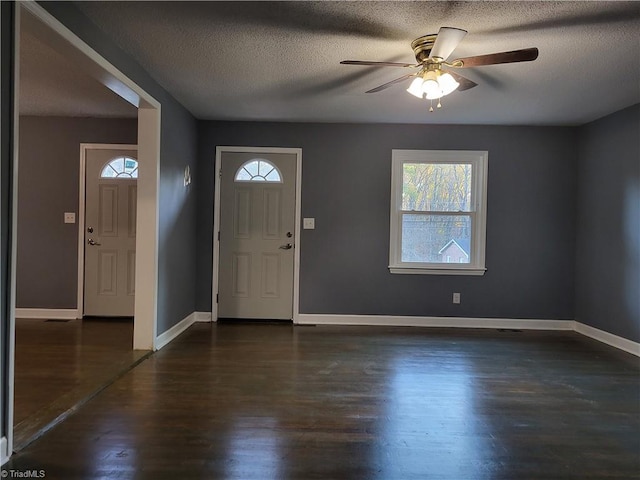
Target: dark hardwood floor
x=284 y=402
x=60 y=364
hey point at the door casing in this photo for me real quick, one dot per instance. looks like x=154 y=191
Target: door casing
x=216 y=221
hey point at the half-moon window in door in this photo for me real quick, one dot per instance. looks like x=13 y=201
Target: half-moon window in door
x=258 y=170
x=120 y=167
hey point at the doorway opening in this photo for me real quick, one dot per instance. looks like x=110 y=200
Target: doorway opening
x=142 y=334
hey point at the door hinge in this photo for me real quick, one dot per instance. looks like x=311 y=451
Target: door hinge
x=217 y=298
x=218 y=235
x=220 y=173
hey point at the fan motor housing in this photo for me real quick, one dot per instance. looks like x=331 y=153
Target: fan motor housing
x=422 y=46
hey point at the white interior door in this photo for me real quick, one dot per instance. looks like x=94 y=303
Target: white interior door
x=257 y=228
x=110 y=232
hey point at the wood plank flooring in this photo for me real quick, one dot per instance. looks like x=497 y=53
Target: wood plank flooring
x=283 y=402
x=59 y=364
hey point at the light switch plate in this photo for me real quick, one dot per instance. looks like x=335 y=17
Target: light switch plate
x=69 y=217
x=308 y=223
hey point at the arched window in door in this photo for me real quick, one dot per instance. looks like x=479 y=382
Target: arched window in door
x=120 y=167
x=258 y=170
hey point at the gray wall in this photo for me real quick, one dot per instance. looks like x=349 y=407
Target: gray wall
x=48 y=176
x=346 y=187
x=608 y=226
x=177 y=207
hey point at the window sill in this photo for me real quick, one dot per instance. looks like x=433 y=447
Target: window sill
x=437 y=271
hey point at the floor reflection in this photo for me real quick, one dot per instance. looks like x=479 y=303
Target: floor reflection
x=59 y=364
x=253 y=445
x=430 y=426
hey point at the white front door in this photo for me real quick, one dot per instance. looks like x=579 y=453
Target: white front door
x=110 y=232
x=257 y=228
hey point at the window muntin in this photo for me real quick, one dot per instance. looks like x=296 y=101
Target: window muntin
x=258 y=170
x=120 y=167
x=438 y=212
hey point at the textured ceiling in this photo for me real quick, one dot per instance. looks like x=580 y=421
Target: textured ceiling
x=280 y=60
x=51 y=85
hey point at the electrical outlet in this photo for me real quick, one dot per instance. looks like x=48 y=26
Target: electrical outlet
x=69 y=217
x=308 y=223
x=456 y=297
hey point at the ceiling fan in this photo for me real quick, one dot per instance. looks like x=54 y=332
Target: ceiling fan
x=434 y=80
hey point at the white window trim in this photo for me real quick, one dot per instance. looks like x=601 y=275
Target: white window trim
x=479 y=161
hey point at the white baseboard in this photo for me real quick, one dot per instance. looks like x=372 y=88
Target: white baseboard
x=47 y=313
x=165 y=338
x=462 y=322
x=4 y=454
x=456 y=322
x=608 y=338
x=203 y=316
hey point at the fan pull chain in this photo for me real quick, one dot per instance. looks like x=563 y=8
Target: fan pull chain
x=439 y=105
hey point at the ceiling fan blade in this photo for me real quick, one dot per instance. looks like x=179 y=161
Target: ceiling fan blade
x=377 y=64
x=446 y=42
x=524 y=55
x=392 y=82
x=465 y=83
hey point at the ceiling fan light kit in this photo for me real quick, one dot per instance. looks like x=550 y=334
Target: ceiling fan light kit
x=415 y=88
x=431 y=52
x=433 y=85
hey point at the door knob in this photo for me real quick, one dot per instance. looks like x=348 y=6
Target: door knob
x=288 y=246
x=91 y=241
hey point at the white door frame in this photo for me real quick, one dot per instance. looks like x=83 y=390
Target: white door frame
x=65 y=41
x=216 y=222
x=84 y=147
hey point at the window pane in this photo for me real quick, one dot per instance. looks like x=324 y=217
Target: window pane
x=440 y=187
x=243 y=175
x=264 y=168
x=108 y=172
x=252 y=168
x=118 y=164
x=273 y=176
x=130 y=165
x=436 y=238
